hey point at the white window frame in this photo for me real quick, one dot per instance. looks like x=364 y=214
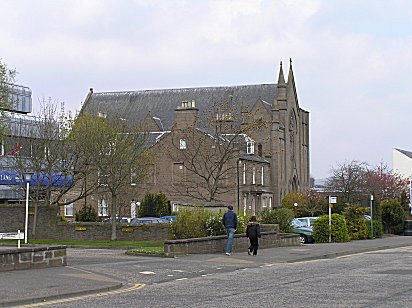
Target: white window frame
x=253 y=175
x=244 y=173
x=102 y=178
x=250 y=147
x=182 y=144
x=262 y=176
x=68 y=209
x=133 y=177
x=103 y=208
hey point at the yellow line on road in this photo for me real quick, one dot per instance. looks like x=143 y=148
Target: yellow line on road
x=76 y=298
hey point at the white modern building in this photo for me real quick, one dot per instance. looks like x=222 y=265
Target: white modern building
x=402 y=163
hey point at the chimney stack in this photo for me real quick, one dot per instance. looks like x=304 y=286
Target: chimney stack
x=186 y=115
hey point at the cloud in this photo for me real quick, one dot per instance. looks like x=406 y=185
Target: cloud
x=351 y=58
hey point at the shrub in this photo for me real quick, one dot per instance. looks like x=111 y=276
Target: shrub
x=199 y=222
x=190 y=223
x=155 y=204
x=355 y=222
x=214 y=225
x=339 y=232
x=86 y=213
x=280 y=216
x=242 y=223
x=377 y=228
x=393 y=216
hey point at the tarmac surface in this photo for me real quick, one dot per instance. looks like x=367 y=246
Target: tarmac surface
x=36 y=285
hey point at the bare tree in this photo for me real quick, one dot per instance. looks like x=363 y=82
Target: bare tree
x=316 y=203
x=7 y=77
x=114 y=151
x=41 y=148
x=209 y=162
x=348 y=179
x=209 y=157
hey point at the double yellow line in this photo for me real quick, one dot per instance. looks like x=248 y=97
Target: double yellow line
x=76 y=298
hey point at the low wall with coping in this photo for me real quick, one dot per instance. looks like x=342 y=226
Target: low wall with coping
x=270 y=238
x=32 y=257
x=101 y=231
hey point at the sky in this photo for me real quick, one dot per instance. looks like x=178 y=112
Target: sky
x=352 y=60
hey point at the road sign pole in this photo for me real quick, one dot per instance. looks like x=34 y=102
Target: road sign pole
x=330 y=222
x=332 y=200
x=371 y=201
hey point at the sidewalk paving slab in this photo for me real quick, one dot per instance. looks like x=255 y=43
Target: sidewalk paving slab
x=37 y=285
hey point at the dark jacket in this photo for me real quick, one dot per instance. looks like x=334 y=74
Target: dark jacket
x=229 y=219
x=253 y=230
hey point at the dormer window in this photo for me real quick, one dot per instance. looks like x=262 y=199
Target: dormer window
x=182 y=144
x=250 y=147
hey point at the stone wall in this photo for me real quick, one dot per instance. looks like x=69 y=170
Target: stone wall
x=271 y=237
x=101 y=231
x=49 y=227
x=32 y=257
x=12 y=218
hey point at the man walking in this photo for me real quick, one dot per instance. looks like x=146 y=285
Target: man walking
x=229 y=220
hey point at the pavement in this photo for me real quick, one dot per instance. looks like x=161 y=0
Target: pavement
x=38 y=285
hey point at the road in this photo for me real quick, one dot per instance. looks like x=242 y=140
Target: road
x=373 y=279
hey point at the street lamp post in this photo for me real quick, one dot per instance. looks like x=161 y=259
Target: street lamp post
x=371 y=202
x=27 y=177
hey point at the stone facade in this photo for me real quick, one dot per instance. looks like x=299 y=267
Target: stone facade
x=272 y=161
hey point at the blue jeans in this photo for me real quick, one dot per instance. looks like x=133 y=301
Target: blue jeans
x=230 y=235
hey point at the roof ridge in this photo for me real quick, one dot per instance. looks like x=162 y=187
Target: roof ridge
x=182 y=89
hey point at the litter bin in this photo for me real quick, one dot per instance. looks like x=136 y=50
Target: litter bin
x=408 y=227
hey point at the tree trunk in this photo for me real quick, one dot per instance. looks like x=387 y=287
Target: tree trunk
x=113 y=214
x=36 y=210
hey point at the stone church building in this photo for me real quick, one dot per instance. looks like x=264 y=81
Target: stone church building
x=260 y=130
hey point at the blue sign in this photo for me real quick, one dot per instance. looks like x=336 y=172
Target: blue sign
x=57 y=180
x=9 y=178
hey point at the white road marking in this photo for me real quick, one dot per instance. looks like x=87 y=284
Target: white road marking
x=147 y=273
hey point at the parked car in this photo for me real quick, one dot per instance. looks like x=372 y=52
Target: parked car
x=125 y=220
x=408 y=228
x=170 y=218
x=307 y=221
x=305 y=232
x=149 y=220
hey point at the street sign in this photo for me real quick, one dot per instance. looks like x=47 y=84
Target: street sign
x=12 y=236
x=332 y=199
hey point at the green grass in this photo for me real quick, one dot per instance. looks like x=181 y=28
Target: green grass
x=147 y=251
x=146 y=247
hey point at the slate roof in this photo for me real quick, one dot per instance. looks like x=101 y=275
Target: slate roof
x=407 y=153
x=135 y=105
